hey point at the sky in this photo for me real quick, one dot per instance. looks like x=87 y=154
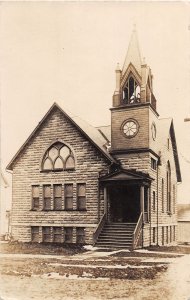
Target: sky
x=67 y=52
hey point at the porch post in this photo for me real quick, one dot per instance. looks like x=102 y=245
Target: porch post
x=142 y=200
x=105 y=201
x=148 y=204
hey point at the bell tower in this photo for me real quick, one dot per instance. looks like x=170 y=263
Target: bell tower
x=133 y=114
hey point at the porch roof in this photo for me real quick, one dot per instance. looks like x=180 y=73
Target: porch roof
x=126 y=175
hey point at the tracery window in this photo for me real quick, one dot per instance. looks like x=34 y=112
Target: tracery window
x=131 y=91
x=58 y=157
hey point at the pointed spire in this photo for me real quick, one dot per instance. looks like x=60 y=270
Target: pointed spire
x=133 y=53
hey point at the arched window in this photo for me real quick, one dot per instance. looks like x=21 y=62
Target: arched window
x=131 y=91
x=58 y=157
x=168 y=179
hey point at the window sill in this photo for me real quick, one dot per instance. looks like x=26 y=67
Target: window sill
x=47 y=210
x=57 y=170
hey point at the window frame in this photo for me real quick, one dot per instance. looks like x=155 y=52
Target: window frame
x=163 y=198
x=35 y=198
x=79 y=197
x=66 y=197
x=154 y=200
x=34 y=233
x=79 y=235
x=55 y=197
x=68 y=234
x=168 y=188
x=50 y=198
x=44 y=234
x=58 y=145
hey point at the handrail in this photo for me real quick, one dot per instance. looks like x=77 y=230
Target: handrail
x=99 y=227
x=137 y=230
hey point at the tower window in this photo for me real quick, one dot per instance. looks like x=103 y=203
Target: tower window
x=131 y=91
x=153 y=163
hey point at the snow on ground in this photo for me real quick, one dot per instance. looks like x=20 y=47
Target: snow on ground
x=100 y=266
x=179 y=276
x=157 y=252
x=55 y=275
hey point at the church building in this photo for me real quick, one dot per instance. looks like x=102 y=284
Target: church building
x=110 y=186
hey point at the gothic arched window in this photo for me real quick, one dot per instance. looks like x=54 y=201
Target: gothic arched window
x=131 y=91
x=58 y=157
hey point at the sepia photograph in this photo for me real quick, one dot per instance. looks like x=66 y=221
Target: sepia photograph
x=95 y=150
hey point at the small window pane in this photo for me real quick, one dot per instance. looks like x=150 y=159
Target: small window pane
x=46 y=234
x=81 y=189
x=64 y=152
x=47 y=204
x=57 y=190
x=35 y=203
x=53 y=153
x=47 y=164
x=81 y=203
x=80 y=235
x=57 y=234
x=68 y=203
x=68 y=235
x=35 y=191
x=35 y=234
x=70 y=163
x=58 y=203
x=47 y=191
x=68 y=190
x=58 y=163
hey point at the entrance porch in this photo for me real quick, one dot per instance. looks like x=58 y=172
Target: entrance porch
x=126 y=209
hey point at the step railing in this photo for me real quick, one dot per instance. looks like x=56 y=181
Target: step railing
x=138 y=231
x=99 y=228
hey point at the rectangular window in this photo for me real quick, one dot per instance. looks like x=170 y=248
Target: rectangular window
x=57 y=234
x=162 y=195
x=167 y=235
x=57 y=193
x=174 y=233
x=154 y=200
x=35 y=197
x=174 y=198
x=35 y=234
x=46 y=231
x=47 y=197
x=154 y=235
x=80 y=235
x=170 y=234
x=81 y=196
x=68 y=234
x=69 y=196
x=162 y=235
x=153 y=163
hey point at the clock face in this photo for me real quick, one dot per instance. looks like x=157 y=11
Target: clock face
x=130 y=128
x=153 y=129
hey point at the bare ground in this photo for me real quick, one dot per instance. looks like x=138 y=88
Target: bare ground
x=76 y=274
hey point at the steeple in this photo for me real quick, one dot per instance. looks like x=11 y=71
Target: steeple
x=133 y=53
x=134 y=81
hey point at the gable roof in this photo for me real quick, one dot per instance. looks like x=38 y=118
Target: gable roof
x=90 y=132
x=166 y=127
x=127 y=175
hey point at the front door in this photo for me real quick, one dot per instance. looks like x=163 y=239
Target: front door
x=124 y=203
